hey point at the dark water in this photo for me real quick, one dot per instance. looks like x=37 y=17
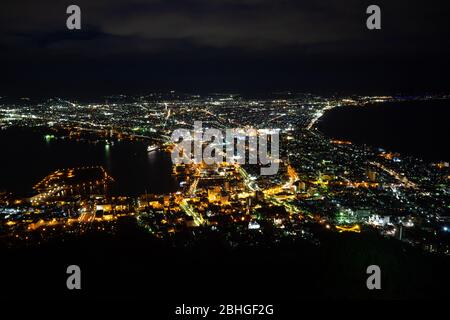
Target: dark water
x=417 y=128
x=27 y=157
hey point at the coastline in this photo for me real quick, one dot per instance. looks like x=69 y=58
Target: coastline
x=382 y=125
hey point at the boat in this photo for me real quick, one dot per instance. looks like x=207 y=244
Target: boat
x=152 y=148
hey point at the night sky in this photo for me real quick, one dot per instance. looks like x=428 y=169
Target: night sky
x=139 y=46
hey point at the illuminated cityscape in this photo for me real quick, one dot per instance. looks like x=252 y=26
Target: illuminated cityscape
x=236 y=158
x=322 y=183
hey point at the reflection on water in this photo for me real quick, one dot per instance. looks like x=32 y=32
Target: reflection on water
x=28 y=156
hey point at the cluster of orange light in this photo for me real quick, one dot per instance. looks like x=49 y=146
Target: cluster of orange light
x=442 y=165
x=388 y=155
x=340 y=142
x=356 y=228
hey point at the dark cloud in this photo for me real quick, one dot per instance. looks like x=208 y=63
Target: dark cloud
x=232 y=43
